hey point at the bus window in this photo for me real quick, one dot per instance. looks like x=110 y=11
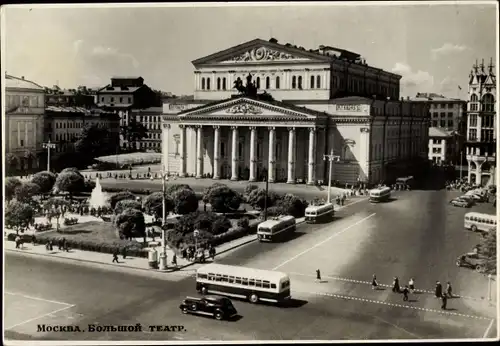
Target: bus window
x=273 y=285
x=285 y=284
x=231 y=279
x=225 y=278
x=218 y=277
x=264 y=229
x=251 y=282
x=258 y=283
x=202 y=276
x=244 y=282
x=467 y=218
x=266 y=284
x=238 y=280
x=211 y=276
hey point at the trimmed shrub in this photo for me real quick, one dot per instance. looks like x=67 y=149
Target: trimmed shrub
x=222 y=198
x=185 y=201
x=257 y=198
x=11 y=185
x=249 y=188
x=153 y=204
x=293 y=205
x=244 y=223
x=130 y=224
x=127 y=204
x=123 y=195
x=70 y=221
x=45 y=181
x=207 y=221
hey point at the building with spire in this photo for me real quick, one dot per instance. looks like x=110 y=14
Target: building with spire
x=481 y=135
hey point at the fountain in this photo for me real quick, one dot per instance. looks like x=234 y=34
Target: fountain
x=98 y=198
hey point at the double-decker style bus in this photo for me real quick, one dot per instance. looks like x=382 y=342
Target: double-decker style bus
x=276 y=228
x=381 y=194
x=243 y=282
x=480 y=222
x=319 y=213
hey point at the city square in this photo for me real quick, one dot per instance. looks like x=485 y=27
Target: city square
x=119 y=195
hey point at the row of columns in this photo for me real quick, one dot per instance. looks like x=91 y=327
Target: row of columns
x=253 y=153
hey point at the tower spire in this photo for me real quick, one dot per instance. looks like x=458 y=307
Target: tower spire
x=490 y=66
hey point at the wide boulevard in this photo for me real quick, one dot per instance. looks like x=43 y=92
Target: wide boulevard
x=417 y=234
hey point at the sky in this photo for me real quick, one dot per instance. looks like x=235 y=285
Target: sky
x=432 y=46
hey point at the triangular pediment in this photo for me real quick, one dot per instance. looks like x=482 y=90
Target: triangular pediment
x=260 y=52
x=246 y=107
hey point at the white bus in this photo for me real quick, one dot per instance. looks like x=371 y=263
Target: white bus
x=242 y=282
x=319 y=213
x=480 y=222
x=381 y=194
x=275 y=228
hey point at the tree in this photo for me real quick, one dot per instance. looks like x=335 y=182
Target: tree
x=94 y=141
x=127 y=204
x=54 y=208
x=19 y=216
x=134 y=131
x=222 y=199
x=170 y=189
x=185 y=201
x=119 y=196
x=249 y=188
x=153 y=204
x=130 y=223
x=293 y=205
x=208 y=190
x=257 y=198
x=71 y=169
x=45 y=180
x=10 y=187
x=26 y=191
x=488 y=248
x=71 y=182
x=11 y=162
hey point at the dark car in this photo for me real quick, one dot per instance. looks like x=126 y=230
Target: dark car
x=217 y=307
x=459 y=202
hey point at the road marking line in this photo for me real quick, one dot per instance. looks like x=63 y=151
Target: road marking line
x=397 y=327
x=339 y=278
x=37 y=318
x=36 y=298
x=357 y=201
x=488 y=329
x=340 y=296
x=324 y=241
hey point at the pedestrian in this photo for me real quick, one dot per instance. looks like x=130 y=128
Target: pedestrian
x=337 y=200
x=51 y=245
x=342 y=201
x=18 y=241
x=174 y=260
x=63 y=241
x=411 y=284
x=439 y=290
x=60 y=244
x=405 y=293
x=395 y=285
x=115 y=256
x=212 y=253
x=449 y=292
x=444 y=301
x=33 y=239
x=124 y=252
x=374 y=282
x=184 y=253
x=66 y=246
x=318 y=275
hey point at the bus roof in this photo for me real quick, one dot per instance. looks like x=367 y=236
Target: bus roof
x=275 y=221
x=316 y=207
x=381 y=189
x=476 y=214
x=242 y=271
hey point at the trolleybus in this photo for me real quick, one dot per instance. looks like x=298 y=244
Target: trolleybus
x=276 y=228
x=319 y=213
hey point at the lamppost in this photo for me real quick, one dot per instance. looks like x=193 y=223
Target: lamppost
x=489 y=287
x=163 y=254
x=196 y=233
x=330 y=158
x=265 y=199
x=48 y=146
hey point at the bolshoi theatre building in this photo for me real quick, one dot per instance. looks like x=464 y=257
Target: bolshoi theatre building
x=265 y=109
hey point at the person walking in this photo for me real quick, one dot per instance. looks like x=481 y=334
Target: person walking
x=444 y=301
x=60 y=244
x=124 y=252
x=439 y=290
x=63 y=241
x=449 y=291
x=318 y=275
x=115 y=256
x=51 y=245
x=411 y=285
x=174 y=260
x=395 y=285
x=33 y=239
x=342 y=201
x=405 y=293
x=374 y=282
x=18 y=241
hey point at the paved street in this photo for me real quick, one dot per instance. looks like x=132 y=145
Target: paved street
x=417 y=234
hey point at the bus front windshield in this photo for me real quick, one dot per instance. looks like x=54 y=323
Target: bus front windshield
x=264 y=230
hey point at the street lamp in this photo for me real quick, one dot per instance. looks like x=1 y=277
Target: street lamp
x=48 y=146
x=163 y=254
x=330 y=158
x=196 y=233
x=265 y=199
x=489 y=287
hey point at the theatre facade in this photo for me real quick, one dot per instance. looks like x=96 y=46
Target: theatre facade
x=325 y=100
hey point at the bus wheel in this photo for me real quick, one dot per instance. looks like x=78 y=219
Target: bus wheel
x=473 y=228
x=254 y=298
x=203 y=290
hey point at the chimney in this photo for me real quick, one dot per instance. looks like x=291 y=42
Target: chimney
x=22 y=77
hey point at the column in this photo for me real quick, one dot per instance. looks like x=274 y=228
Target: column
x=164 y=146
x=26 y=143
x=271 y=158
x=216 y=174
x=182 y=161
x=311 y=178
x=291 y=155
x=234 y=154
x=253 y=149
x=199 y=151
x=18 y=133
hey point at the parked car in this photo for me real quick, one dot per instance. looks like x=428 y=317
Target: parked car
x=473 y=261
x=458 y=202
x=217 y=307
x=466 y=198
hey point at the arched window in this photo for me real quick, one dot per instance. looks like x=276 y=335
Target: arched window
x=258 y=82
x=473 y=98
x=300 y=82
x=224 y=83
x=318 y=82
x=218 y=83
x=294 y=82
x=268 y=83
x=203 y=84
x=488 y=103
x=312 y=82
x=277 y=82
x=473 y=105
x=208 y=83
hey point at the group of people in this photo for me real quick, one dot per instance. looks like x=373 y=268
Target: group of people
x=191 y=254
x=410 y=288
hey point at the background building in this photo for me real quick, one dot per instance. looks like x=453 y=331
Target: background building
x=481 y=124
x=24 y=123
x=322 y=99
x=441 y=145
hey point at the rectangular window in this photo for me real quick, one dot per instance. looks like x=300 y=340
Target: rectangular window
x=472 y=134
x=240 y=150
x=473 y=120
x=442 y=123
x=450 y=114
x=244 y=282
x=112 y=99
x=225 y=278
x=222 y=149
x=251 y=282
x=22 y=143
x=434 y=123
x=211 y=276
x=237 y=280
x=450 y=123
x=129 y=100
x=266 y=284
x=258 y=283
x=273 y=285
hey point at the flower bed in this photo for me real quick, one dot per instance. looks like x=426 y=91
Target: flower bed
x=131 y=159
x=89 y=236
